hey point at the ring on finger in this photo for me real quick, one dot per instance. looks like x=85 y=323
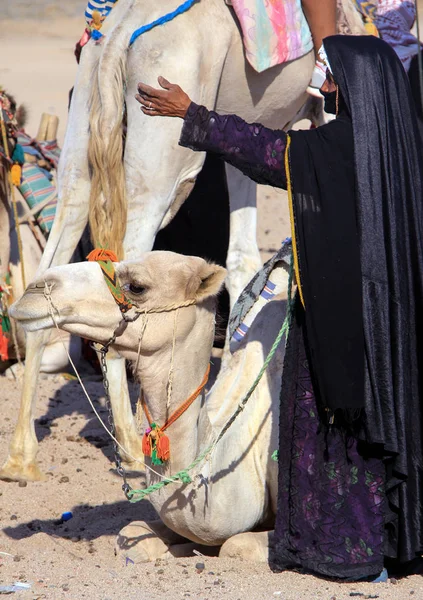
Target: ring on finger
x=149 y=106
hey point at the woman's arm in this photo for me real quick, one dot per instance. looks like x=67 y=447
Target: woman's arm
x=255 y=150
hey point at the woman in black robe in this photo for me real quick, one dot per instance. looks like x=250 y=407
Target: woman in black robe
x=351 y=444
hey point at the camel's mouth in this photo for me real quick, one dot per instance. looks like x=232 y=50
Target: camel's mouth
x=31 y=323
x=31 y=310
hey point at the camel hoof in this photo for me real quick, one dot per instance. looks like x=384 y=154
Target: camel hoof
x=13 y=470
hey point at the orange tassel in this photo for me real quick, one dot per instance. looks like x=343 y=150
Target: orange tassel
x=4 y=345
x=146 y=444
x=16 y=172
x=163 y=447
x=102 y=254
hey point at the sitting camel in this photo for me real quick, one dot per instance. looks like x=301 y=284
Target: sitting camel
x=234 y=490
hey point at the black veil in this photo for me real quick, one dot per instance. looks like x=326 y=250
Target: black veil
x=389 y=198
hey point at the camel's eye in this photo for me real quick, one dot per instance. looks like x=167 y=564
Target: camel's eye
x=136 y=289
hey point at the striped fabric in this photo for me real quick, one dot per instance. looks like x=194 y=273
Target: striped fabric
x=241 y=331
x=102 y=6
x=48 y=150
x=274 y=31
x=51 y=151
x=35 y=188
x=263 y=287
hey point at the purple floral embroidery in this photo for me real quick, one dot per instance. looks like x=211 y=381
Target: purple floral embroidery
x=256 y=150
x=359 y=552
x=311 y=509
x=274 y=153
x=331 y=513
x=375 y=485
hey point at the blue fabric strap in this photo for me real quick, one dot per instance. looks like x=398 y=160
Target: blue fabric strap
x=181 y=9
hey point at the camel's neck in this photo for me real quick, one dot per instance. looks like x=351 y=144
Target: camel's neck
x=190 y=362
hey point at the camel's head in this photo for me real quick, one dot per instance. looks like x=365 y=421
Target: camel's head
x=84 y=306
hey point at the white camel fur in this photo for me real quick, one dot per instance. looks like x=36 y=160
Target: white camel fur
x=235 y=489
x=202 y=51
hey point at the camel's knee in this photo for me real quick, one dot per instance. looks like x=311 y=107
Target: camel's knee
x=55 y=356
x=144 y=542
x=252 y=546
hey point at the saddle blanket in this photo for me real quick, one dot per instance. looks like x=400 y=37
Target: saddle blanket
x=36 y=189
x=49 y=150
x=274 y=31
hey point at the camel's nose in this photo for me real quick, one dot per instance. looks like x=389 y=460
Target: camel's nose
x=36 y=287
x=32 y=302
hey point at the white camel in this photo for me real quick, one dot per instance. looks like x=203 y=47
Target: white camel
x=130 y=201
x=235 y=489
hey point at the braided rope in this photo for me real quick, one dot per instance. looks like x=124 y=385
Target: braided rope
x=162 y=20
x=166 y=308
x=183 y=475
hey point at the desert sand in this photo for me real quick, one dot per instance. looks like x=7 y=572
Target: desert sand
x=76 y=559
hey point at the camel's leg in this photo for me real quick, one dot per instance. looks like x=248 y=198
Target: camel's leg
x=144 y=542
x=126 y=431
x=243 y=259
x=69 y=223
x=21 y=463
x=252 y=546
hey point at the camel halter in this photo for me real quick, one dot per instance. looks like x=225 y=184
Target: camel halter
x=130 y=312
x=155 y=443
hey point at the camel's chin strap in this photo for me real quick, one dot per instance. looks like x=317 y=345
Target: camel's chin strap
x=155 y=442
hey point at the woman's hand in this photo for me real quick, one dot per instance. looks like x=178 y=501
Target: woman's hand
x=171 y=101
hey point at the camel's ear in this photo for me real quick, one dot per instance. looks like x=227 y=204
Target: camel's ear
x=205 y=281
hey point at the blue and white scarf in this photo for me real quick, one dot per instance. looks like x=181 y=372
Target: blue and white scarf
x=102 y=6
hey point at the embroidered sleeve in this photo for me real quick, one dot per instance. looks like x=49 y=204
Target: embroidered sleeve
x=257 y=151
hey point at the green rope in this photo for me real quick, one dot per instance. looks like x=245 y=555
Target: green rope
x=183 y=476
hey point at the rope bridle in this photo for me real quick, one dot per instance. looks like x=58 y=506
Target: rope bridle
x=154 y=442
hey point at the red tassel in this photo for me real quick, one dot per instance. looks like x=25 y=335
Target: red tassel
x=163 y=447
x=102 y=254
x=4 y=345
x=146 y=444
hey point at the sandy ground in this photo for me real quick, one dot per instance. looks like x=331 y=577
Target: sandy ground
x=76 y=559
